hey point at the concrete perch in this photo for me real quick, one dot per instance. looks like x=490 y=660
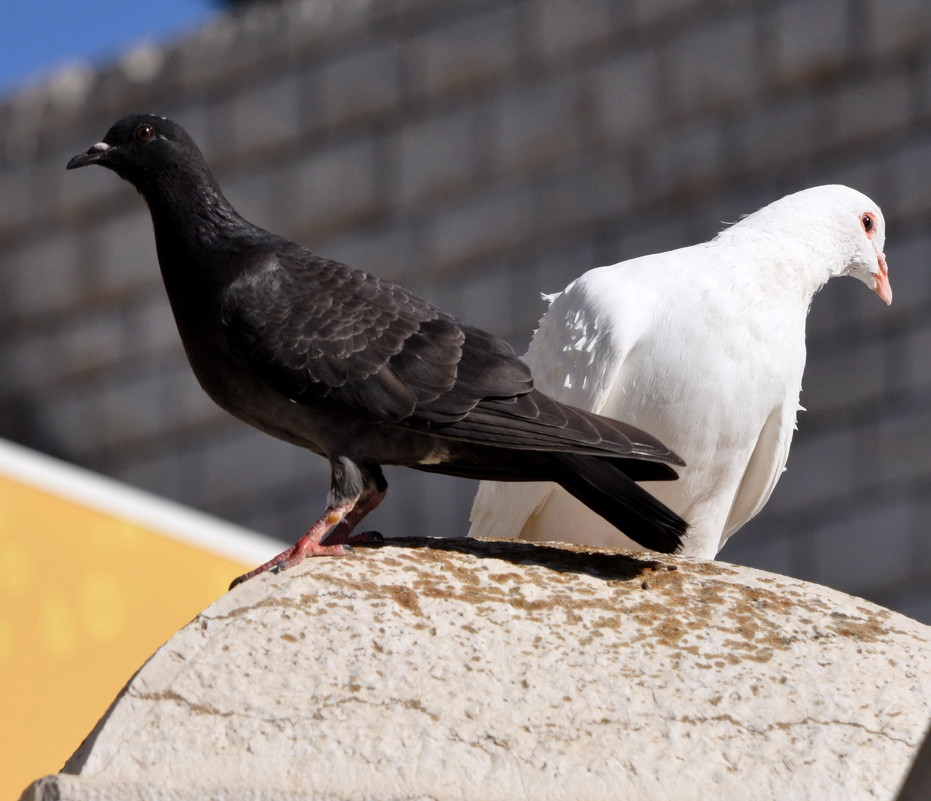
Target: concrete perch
x=463 y=669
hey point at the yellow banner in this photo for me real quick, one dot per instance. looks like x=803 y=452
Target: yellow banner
x=94 y=576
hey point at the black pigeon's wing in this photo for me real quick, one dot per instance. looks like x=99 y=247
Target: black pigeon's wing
x=323 y=333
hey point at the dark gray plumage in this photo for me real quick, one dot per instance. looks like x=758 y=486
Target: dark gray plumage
x=360 y=370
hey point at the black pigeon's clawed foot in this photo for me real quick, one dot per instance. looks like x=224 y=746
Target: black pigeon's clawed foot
x=331 y=535
x=332 y=526
x=293 y=556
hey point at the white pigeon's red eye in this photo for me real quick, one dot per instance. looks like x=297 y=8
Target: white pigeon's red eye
x=144 y=133
x=868 y=221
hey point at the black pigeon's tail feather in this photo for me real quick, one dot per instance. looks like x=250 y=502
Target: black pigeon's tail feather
x=609 y=492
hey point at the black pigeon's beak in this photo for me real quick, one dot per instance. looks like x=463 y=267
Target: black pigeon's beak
x=93 y=155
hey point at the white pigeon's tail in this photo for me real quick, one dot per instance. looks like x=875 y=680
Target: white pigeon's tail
x=501 y=509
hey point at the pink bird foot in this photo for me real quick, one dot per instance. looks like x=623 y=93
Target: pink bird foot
x=331 y=535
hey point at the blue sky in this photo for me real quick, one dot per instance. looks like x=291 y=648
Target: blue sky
x=39 y=35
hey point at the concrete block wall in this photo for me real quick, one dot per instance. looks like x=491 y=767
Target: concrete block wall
x=480 y=152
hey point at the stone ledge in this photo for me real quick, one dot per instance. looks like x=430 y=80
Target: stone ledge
x=463 y=669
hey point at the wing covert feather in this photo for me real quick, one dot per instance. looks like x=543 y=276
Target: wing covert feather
x=319 y=331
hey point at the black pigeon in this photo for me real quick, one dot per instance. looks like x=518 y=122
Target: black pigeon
x=360 y=370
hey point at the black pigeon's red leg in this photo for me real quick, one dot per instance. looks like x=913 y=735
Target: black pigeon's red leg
x=308 y=544
x=334 y=528
x=340 y=535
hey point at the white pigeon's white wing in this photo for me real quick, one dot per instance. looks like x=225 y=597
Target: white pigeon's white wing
x=635 y=342
x=575 y=356
x=764 y=468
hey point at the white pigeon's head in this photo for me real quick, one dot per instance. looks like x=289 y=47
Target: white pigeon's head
x=836 y=230
x=861 y=234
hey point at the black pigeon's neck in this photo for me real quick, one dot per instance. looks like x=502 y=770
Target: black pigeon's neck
x=189 y=212
x=198 y=237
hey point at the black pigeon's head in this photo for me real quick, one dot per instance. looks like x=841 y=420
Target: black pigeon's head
x=142 y=145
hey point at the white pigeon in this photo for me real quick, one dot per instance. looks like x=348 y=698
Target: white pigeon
x=704 y=347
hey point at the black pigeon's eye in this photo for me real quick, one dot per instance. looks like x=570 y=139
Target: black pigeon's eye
x=867 y=222
x=144 y=133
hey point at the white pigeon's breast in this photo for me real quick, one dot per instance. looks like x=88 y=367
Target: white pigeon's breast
x=706 y=374
x=676 y=344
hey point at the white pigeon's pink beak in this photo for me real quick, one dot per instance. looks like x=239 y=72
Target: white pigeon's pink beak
x=882 y=287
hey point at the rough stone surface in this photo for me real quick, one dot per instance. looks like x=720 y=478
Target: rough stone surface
x=457 y=669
